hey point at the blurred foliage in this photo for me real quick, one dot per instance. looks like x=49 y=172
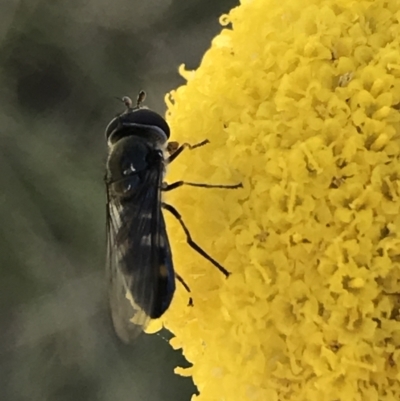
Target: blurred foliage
x=61 y=64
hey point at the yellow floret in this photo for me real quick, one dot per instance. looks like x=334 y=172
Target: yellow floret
x=300 y=101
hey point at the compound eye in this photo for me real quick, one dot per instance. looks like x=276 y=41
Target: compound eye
x=147 y=117
x=140 y=117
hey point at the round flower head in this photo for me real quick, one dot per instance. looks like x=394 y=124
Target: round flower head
x=300 y=102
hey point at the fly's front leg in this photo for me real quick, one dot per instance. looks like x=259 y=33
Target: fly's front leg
x=175 y=150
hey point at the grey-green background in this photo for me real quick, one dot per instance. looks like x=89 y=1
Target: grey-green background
x=61 y=64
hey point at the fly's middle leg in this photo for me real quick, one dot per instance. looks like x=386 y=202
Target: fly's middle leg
x=169 y=187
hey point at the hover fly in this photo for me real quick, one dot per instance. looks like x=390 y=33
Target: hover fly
x=139 y=259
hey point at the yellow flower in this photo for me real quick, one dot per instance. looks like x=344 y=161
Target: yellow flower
x=300 y=101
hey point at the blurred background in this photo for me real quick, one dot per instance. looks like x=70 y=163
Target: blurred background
x=61 y=64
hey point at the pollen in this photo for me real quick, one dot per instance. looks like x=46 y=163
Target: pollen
x=300 y=102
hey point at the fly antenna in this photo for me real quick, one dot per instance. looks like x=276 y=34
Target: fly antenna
x=127 y=101
x=140 y=98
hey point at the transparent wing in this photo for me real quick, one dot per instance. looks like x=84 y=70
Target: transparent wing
x=139 y=264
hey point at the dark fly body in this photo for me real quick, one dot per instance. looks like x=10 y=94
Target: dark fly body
x=139 y=260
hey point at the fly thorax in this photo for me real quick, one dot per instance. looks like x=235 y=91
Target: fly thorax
x=129 y=160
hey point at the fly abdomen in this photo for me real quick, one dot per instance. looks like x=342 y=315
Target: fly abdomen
x=166 y=283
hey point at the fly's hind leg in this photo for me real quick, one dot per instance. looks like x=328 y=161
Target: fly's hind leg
x=186 y=287
x=190 y=241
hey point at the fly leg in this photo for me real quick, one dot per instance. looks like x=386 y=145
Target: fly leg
x=177 y=184
x=186 y=287
x=175 y=150
x=190 y=241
